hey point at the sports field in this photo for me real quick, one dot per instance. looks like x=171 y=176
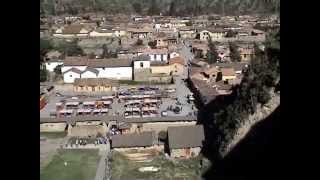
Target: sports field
x=72 y=164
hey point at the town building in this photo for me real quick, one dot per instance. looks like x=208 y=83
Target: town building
x=137 y=141
x=72 y=31
x=185 y=141
x=95 y=85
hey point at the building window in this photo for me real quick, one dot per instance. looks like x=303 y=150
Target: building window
x=141 y=64
x=161 y=57
x=155 y=56
x=70 y=75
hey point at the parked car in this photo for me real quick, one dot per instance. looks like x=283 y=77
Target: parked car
x=170 y=90
x=164 y=113
x=58 y=94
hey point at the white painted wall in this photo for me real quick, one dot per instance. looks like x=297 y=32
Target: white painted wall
x=70 y=76
x=88 y=74
x=123 y=73
x=66 y=68
x=158 y=57
x=97 y=34
x=146 y=64
x=51 y=65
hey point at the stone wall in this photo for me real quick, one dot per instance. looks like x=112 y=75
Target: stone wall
x=182 y=153
x=142 y=74
x=52 y=127
x=138 y=148
x=163 y=126
x=87 y=130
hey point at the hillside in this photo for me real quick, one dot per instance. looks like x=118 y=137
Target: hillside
x=173 y=7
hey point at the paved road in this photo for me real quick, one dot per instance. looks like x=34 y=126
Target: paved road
x=102 y=171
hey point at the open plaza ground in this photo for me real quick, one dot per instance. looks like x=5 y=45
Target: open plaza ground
x=72 y=164
x=126 y=166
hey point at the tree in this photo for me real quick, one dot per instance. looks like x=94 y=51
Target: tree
x=234 y=52
x=230 y=34
x=189 y=23
x=212 y=55
x=172 y=9
x=57 y=70
x=139 y=42
x=70 y=48
x=153 y=9
x=219 y=76
x=137 y=7
x=43 y=75
x=152 y=44
x=162 y=135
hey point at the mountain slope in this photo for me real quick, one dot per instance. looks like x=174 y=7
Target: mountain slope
x=182 y=7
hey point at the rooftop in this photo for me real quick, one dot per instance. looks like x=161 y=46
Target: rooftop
x=185 y=136
x=95 y=82
x=143 y=139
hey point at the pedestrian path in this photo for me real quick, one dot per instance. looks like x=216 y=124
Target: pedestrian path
x=101 y=170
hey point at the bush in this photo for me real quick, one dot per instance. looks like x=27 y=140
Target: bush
x=162 y=135
x=152 y=44
x=43 y=75
x=70 y=48
x=139 y=42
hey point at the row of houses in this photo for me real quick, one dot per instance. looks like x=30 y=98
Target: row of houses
x=182 y=141
x=140 y=68
x=246 y=50
x=208 y=82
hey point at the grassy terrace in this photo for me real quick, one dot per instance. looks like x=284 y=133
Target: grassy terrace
x=122 y=168
x=53 y=135
x=81 y=165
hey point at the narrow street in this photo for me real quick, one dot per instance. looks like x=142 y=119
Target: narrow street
x=103 y=168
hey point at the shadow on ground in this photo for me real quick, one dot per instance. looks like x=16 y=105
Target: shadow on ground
x=254 y=157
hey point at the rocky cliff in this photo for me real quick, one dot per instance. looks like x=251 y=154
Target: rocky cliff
x=261 y=113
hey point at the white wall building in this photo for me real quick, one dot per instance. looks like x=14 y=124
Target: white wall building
x=141 y=62
x=160 y=55
x=52 y=64
x=70 y=75
x=119 y=73
x=89 y=73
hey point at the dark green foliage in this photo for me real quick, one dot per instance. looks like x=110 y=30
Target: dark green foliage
x=212 y=55
x=188 y=23
x=152 y=44
x=139 y=42
x=230 y=34
x=172 y=9
x=162 y=135
x=262 y=74
x=219 y=76
x=153 y=7
x=137 y=7
x=69 y=48
x=43 y=75
x=57 y=70
x=234 y=52
x=108 y=53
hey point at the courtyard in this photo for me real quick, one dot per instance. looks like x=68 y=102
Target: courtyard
x=72 y=164
x=124 y=166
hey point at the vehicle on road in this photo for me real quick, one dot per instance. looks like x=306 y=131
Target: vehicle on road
x=164 y=113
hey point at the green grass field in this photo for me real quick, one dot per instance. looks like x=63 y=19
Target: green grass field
x=123 y=168
x=53 y=135
x=81 y=165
